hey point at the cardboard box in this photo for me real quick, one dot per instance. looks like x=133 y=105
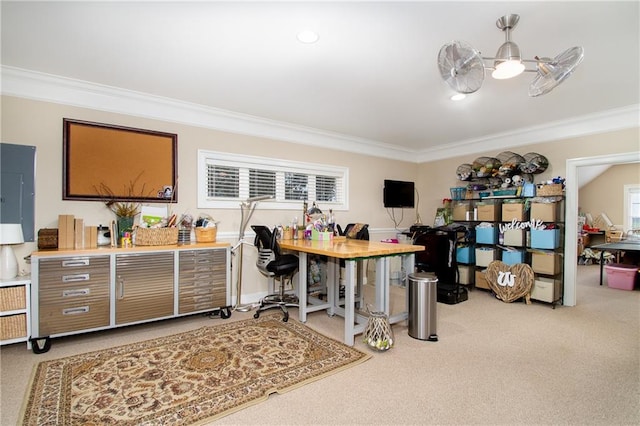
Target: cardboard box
x=545 y=263
x=66 y=231
x=545 y=238
x=545 y=212
x=465 y=254
x=512 y=257
x=465 y=274
x=512 y=211
x=481 y=280
x=546 y=289
x=514 y=237
x=487 y=212
x=485 y=255
x=460 y=211
x=485 y=235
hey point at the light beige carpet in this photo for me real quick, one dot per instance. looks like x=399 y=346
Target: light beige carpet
x=184 y=379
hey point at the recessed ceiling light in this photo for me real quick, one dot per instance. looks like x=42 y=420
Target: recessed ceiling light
x=458 y=97
x=307 y=36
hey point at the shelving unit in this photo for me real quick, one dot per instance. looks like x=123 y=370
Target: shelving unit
x=508 y=229
x=15 y=310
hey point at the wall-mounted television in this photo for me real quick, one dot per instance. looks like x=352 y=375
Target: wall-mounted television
x=397 y=193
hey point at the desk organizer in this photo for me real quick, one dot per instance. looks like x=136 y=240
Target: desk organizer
x=321 y=236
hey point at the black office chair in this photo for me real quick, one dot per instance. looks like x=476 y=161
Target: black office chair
x=275 y=265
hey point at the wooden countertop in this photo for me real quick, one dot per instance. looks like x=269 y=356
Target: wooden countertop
x=348 y=248
x=106 y=250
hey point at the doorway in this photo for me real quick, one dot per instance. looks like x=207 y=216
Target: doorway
x=571 y=225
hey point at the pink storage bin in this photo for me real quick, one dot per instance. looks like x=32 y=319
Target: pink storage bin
x=621 y=276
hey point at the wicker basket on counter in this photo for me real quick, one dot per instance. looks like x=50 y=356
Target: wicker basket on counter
x=206 y=235
x=156 y=236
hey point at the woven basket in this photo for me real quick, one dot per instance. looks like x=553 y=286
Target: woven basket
x=156 y=236
x=12 y=298
x=13 y=326
x=206 y=235
x=549 y=190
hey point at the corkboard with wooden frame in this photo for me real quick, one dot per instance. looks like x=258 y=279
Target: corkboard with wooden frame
x=120 y=163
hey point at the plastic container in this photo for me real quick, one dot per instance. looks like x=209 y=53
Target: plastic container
x=458 y=193
x=621 y=276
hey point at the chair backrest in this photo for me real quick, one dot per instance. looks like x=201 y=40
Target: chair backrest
x=263 y=243
x=356 y=231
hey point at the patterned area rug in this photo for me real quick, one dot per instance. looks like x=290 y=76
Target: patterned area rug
x=184 y=379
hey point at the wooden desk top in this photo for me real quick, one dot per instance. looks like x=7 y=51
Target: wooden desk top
x=121 y=250
x=349 y=248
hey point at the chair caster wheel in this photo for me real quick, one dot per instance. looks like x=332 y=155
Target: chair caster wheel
x=285 y=318
x=256 y=315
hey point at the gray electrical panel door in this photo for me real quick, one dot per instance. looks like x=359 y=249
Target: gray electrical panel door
x=17 y=187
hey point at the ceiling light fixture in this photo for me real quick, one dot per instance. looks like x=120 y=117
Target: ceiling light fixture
x=307 y=36
x=463 y=68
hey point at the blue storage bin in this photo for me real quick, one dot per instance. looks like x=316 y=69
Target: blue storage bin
x=486 y=235
x=512 y=257
x=465 y=254
x=545 y=238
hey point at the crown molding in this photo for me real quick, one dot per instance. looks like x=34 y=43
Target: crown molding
x=601 y=122
x=61 y=90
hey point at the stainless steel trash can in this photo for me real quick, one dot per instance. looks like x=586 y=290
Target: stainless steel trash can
x=423 y=298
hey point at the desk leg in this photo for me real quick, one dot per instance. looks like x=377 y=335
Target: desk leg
x=349 y=301
x=601 y=264
x=382 y=279
x=302 y=286
x=333 y=284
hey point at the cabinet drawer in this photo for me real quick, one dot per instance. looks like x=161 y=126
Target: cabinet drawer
x=73 y=271
x=194 y=303
x=75 y=294
x=68 y=317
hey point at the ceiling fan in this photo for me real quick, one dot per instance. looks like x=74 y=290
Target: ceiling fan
x=463 y=67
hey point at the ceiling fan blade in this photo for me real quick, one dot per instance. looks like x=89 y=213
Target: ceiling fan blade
x=551 y=73
x=461 y=66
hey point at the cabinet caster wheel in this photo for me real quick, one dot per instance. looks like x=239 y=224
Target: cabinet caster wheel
x=256 y=315
x=40 y=346
x=225 y=313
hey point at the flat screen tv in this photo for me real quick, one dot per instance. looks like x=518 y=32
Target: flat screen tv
x=398 y=193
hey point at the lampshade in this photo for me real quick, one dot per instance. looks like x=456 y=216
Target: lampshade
x=11 y=233
x=508 y=61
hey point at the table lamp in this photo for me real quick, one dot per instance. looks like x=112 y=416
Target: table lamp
x=10 y=233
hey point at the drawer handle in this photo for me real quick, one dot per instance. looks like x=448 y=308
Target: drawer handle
x=76 y=292
x=75 y=278
x=120 y=290
x=201 y=299
x=75 y=311
x=75 y=262
x=203 y=290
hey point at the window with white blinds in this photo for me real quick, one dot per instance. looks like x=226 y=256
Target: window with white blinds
x=226 y=179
